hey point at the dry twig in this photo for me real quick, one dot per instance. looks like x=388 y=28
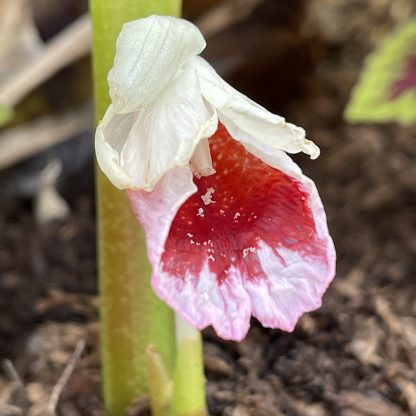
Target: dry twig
x=394 y=326
x=14 y=392
x=71 y=44
x=225 y=14
x=58 y=388
x=22 y=142
x=19 y=38
x=12 y=373
x=49 y=204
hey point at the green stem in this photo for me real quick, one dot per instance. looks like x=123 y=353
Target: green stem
x=189 y=380
x=132 y=318
x=160 y=383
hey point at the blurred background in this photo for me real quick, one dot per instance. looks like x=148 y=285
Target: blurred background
x=300 y=59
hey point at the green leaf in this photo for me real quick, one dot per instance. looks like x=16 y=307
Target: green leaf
x=5 y=115
x=386 y=90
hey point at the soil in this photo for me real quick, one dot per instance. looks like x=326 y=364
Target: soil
x=354 y=356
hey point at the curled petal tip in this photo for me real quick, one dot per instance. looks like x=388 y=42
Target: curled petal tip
x=243 y=117
x=208 y=171
x=311 y=149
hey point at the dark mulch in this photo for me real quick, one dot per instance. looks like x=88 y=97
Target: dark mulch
x=356 y=355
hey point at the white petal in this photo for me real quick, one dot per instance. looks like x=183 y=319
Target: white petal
x=110 y=136
x=135 y=150
x=243 y=116
x=149 y=53
x=202 y=302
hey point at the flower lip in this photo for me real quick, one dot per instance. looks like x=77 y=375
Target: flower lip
x=251 y=240
x=149 y=52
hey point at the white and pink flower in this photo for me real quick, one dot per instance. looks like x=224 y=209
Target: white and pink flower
x=233 y=227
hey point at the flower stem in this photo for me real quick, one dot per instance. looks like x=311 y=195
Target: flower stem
x=189 y=381
x=132 y=318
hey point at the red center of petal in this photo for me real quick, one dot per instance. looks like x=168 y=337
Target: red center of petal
x=246 y=202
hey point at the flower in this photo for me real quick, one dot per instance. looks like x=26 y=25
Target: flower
x=233 y=227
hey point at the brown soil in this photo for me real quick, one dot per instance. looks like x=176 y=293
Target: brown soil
x=354 y=356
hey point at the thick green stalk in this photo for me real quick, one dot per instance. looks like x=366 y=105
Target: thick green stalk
x=132 y=318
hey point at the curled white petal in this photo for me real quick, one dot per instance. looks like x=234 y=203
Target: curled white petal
x=149 y=53
x=135 y=150
x=107 y=150
x=166 y=101
x=243 y=116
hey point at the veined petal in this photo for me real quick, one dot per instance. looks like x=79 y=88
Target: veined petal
x=241 y=115
x=135 y=150
x=110 y=136
x=252 y=240
x=149 y=52
x=156 y=211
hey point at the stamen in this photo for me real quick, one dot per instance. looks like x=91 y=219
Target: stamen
x=201 y=162
x=200 y=212
x=248 y=250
